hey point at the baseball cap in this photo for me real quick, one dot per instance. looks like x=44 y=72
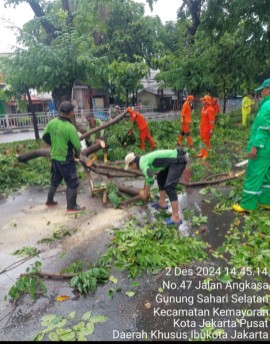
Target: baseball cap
x=130 y=157
x=66 y=107
x=264 y=85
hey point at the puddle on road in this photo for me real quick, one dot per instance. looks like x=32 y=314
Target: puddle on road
x=212 y=232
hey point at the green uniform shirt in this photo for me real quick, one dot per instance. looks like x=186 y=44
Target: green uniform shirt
x=260 y=131
x=155 y=162
x=92 y=138
x=63 y=138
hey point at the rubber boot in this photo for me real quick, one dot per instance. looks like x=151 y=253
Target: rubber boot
x=94 y=157
x=205 y=154
x=105 y=157
x=200 y=155
x=180 y=139
x=189 y=141
x=71 y=195
x=50 y=201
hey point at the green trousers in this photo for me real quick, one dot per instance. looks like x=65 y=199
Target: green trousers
x=257 y=183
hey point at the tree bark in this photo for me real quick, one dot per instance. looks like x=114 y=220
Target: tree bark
x=34 y=154
x=34 y=116
x=99 y=144
x=103 y=126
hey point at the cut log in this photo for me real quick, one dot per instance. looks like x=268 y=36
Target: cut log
x=37 y=153
x=99 y=144
x=128 y=190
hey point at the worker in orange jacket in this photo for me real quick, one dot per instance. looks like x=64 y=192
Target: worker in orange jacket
x=186 y=119
x=206 y=125
x=216 y=107
x=143 y=128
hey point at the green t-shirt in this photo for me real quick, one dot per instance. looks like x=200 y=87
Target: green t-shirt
x=63 y=138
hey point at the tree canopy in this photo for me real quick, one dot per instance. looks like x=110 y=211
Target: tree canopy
x=216 y=46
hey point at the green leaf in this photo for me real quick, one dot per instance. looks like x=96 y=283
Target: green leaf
x=48 y=320
x=98 y=319
x=135 y=284
x=91 y=327
x=87 y=315
x=53 y=337
x=39 y=336
x=130 y=293
x=111 y=293
x=81 y=338
x=72 y=315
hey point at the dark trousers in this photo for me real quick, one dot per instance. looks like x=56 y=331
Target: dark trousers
x=64 y=170
x=168 y=179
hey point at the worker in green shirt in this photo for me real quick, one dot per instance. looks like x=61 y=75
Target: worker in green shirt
x=93 y=123
x=169 y=165
x=61 y=135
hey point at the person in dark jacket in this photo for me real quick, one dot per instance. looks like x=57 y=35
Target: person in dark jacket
x=169 y=165
x=61 y=135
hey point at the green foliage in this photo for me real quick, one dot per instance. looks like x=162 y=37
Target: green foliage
x=113 y=194
x=86 y=282
x=249 y=246
x=28 y=284
x=74 y=267
x=15 y=174
x=58 y=234
x=58 y=328
x=27 y=251
x=150 y=249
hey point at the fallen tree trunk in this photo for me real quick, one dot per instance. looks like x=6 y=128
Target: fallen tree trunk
x=119 y=169
x=128 y=190
x=212 y=182
x=37 y=153
x=48 y=274
x=103 y=126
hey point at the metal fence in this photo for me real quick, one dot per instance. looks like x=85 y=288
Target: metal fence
x=24 y=121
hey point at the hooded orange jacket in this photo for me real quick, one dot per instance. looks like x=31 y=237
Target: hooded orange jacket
x=186 y=112
x=141 y=121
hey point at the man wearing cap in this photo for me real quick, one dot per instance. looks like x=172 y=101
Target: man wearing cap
x=64 y=141
x=206 y=125
x=143 y=128
x=169 y=165
x=257 y=180
x=185 y=119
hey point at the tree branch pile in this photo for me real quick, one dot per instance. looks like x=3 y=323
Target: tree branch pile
x=116 y=169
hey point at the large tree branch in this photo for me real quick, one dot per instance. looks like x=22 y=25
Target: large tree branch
x=103 y=126
x=48 y=27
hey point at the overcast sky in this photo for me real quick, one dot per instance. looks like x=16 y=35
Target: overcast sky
x=16 y=17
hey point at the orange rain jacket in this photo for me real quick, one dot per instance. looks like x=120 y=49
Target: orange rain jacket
x=186 y=119
x=143 y=128
x=207 y=123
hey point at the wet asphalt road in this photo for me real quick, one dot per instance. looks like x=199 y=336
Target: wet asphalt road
x=149 y=311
